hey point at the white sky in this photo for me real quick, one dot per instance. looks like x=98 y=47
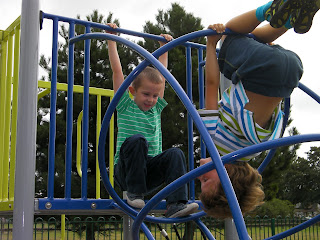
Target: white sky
x=134 y=14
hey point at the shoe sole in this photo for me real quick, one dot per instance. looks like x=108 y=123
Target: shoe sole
x=304 y=20
x=136 y=205
x=281 y=11
x=191 y=208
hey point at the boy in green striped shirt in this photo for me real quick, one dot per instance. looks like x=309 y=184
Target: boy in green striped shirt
x=141 y=167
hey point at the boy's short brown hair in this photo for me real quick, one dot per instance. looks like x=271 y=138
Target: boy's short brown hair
x=149 y=73
x=246 y=182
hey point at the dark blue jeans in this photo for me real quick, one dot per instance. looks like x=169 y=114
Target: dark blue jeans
x=139 y=173
x=269 y=70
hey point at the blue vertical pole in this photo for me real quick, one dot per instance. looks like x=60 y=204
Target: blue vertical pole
x=85 y=120
x=68 y=162
x=53 y=109
x=26 y=122
x=190 y=122
x=201 y=94
x=201 y=78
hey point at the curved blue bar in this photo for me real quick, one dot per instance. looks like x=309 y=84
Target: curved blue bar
x=204 y=229
x=309 y=92
x=106 y=120
x=53 y=109
x=295 y=229
x=234 y=206
x=211 y=148
x=162 y=219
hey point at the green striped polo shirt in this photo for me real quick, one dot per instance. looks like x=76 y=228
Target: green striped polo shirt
x=131 y=120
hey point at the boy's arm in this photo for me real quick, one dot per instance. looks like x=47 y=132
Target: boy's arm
x=115 y=63
x=212 y=69
x=164 y=60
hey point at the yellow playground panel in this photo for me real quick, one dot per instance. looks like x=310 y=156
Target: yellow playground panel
x=9 y=75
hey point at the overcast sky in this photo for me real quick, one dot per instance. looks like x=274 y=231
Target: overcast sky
x=134 y=14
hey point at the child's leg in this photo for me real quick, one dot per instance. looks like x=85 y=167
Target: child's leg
x=132 y=164
x=248 y=22
x=165 y=168
x=244 y=23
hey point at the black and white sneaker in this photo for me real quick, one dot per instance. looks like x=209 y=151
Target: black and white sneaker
x=181 y=210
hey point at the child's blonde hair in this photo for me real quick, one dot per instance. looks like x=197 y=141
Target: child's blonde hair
x=149 y=73
x=246 y=182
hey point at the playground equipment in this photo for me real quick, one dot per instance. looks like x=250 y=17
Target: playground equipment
x=116 y=205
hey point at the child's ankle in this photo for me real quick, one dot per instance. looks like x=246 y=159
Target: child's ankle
x=261 y=12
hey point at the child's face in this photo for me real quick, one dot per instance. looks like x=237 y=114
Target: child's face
x=209 y=180
x=146 y=96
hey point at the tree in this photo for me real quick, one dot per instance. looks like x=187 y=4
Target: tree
x=300 y=183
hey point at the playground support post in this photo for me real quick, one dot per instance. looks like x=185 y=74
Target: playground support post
x=27 y=121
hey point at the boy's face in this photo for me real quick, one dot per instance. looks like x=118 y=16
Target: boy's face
x=146 y=96
x=209 y=180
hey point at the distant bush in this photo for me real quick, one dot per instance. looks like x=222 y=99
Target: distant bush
x=274 y=208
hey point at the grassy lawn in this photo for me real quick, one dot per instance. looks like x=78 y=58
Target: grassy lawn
x=111 y=229
x=257 y=233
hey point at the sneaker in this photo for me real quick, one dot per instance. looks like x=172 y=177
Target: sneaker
x=281 y=11
x=180 y=210
x=135 y=200
x=274 y=7
x=294 y=16
x=303 y=21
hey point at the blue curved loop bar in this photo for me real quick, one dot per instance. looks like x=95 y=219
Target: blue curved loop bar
x=295 y=229
x=211 y=148
x=235 y=209
x=309 y=92
x=117 y=96
x=204 y=229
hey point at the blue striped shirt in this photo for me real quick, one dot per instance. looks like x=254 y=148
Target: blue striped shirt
x=232 y=127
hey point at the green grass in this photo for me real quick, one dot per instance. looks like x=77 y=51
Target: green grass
x=256 y=233
x=112 y=230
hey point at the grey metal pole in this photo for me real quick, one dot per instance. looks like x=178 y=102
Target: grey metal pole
x=127 y=223
x=23 y=213
x=230 y=230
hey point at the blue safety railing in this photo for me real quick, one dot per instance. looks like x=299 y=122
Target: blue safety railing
x=51 y=162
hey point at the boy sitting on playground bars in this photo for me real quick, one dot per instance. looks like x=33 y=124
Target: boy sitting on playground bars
x=141 y=166
x=250 y=109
